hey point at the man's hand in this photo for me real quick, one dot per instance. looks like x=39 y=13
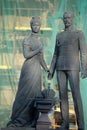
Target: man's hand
x=84 y=75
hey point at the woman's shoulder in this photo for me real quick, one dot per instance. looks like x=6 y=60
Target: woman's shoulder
x=27 y=39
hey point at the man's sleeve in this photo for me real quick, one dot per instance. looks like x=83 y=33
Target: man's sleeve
x=83 y=53
x=54 y=59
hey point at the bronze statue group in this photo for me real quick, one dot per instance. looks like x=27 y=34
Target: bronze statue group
x=69 y=58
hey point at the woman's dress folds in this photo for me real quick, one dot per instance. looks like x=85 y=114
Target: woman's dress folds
x=23 y=112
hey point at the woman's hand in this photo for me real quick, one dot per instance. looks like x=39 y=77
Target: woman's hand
x=40 y=47
x=49 y=76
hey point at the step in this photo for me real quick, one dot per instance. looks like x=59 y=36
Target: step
x=20 y=128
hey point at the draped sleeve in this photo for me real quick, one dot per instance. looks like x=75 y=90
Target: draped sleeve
x=27 y=50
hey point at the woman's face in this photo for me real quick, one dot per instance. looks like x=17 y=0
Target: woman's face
x=35 y=27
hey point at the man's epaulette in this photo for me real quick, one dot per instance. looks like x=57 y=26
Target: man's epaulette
x=78 y=31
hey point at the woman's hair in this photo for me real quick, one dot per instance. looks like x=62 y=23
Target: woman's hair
x=35 y=20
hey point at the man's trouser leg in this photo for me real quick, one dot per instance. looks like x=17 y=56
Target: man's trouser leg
x=75 y=88
x=63 y=93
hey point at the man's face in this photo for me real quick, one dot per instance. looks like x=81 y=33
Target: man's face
x=35 y=27
x=68 y=19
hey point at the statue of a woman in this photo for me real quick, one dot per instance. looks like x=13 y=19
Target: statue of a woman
x=23 y=112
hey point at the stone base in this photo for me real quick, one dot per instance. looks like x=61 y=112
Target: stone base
x=19 y=128
x=24 y=128
x=43 y=123
x=42 y=126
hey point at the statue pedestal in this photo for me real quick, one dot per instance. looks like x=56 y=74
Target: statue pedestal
x=43 y=123
x=43 y=106
x=17 y=128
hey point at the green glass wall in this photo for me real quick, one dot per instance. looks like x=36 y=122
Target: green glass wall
x=15 y=16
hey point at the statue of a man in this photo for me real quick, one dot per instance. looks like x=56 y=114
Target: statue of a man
x=70 y=50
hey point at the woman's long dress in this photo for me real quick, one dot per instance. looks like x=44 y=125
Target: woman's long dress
x=23 y=112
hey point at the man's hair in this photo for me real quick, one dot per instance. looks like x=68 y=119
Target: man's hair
x=68 y=12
